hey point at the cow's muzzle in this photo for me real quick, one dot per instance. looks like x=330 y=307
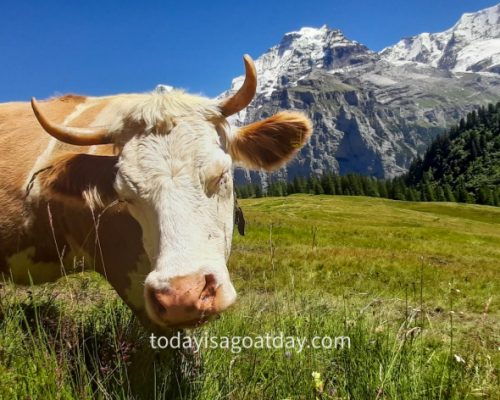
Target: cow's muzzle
x=187 y=301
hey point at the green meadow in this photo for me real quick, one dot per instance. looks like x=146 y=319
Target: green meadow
x=414 y=286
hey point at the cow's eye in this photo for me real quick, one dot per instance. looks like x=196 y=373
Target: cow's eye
x=215 y=176
x=221 y=179
x=217 y=184
x=225 y=184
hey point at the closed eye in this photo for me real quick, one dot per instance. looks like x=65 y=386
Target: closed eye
x=214 y=184
x=216 y=175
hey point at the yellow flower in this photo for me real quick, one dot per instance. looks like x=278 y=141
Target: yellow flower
x=318 y=383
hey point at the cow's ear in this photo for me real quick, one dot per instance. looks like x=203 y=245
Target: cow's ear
x=270 y=143
x=80 y=179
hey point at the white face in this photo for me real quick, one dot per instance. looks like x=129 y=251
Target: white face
x=179 y=187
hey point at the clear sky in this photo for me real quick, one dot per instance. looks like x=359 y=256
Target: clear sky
x=103 y=47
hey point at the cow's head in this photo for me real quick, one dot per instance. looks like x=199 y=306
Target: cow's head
x=173 y=169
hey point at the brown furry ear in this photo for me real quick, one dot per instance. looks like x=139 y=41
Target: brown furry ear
x=80 y=179
x=270 y=143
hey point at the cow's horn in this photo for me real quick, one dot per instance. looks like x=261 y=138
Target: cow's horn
x=71 y=135
x=244 y=96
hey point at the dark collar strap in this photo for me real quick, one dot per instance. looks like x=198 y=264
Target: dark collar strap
x=239 y=218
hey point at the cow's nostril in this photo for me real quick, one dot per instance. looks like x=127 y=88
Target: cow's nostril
x=186 y=301
x=210 y=289
x=210 y=279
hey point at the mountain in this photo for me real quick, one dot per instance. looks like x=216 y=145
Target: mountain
x=372 y=114
x=471 y=45
x=464 y=161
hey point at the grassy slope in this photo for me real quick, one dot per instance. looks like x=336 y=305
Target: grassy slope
x=383 y=272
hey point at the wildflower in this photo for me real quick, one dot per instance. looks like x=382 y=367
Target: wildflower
x=459 y=359
x=318 y=382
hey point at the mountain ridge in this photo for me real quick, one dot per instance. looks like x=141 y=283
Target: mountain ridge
x=371 y=114
x=471 y=45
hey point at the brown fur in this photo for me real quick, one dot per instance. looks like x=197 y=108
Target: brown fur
x=60 y=216
x=74 y=177
x=22 y=140
x=270 y=143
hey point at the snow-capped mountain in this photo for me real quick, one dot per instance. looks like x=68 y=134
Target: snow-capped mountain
x=300 y=52
x=471 y=45
x=373 y=113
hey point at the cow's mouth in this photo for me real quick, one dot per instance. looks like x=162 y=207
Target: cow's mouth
x=190 y=307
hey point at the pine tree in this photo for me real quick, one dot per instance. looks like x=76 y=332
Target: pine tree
x=496 y=197
x=258 y=190
x=462 y=195
x=398 y=190
x=448 y=193
x=300 y=184
x=461 y=125
x=328 y=184
x=382 y=188
x=485 y=196
x=428 y=192
x=410 y=194
x=354 y=184
x=370 y=187
x=338 y=185
x=251 y=190
x=440 y=196
x=316 y=186
x=243 y=192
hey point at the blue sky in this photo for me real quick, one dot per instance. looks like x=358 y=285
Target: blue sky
x=105 y=47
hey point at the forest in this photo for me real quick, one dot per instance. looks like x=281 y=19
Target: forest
x=462 y=165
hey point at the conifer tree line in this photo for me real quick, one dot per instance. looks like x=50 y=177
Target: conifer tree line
x=461 y=165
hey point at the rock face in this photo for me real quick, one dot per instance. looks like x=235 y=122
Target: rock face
x=372 y=112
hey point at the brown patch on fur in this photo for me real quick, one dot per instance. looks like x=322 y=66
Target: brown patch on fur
x=70 y=98
x=270 y=143
x=81 y=179
x=22 y=140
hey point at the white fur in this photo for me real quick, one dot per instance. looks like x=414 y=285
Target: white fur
x=175 y=174
x=164 y=178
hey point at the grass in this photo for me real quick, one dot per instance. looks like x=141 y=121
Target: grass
x=413 y=285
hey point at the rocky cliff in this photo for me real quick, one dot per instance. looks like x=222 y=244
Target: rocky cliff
x=372 y=112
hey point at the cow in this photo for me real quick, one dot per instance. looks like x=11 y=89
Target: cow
x=138 y=187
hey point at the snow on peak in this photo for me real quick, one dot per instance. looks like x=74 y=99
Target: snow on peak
x=484 y=23
x=300 y=52
x=309 y=32
x=471 y=45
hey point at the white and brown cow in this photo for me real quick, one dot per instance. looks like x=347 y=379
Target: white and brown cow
x=140 y=187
